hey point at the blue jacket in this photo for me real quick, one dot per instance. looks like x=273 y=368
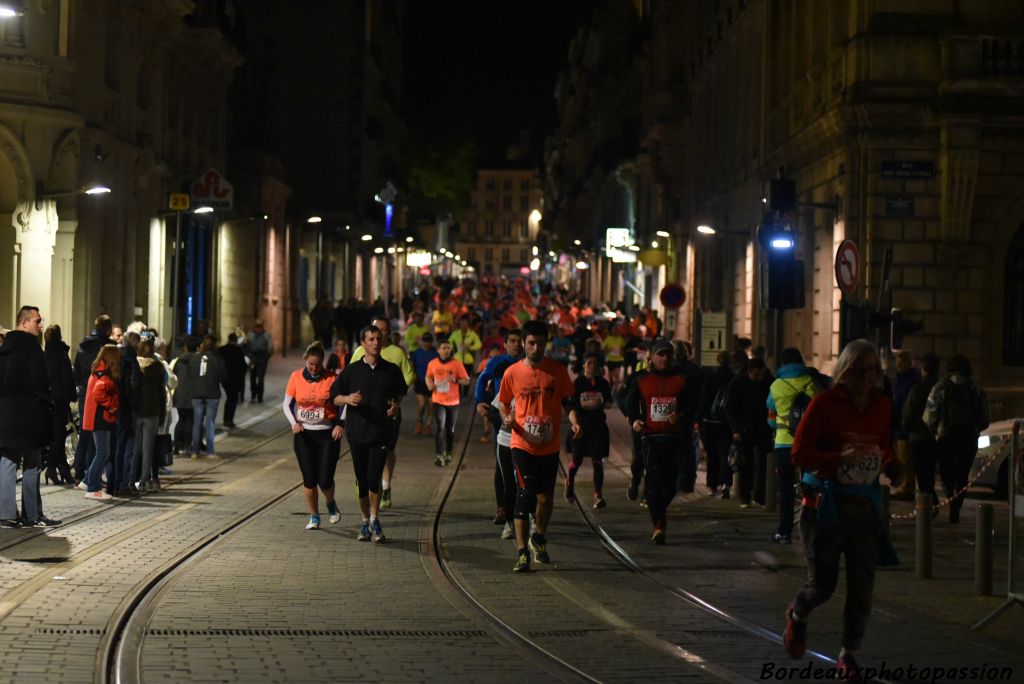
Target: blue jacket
x=482 y=395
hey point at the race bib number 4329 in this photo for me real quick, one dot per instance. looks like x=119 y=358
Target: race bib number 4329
x=662 y=408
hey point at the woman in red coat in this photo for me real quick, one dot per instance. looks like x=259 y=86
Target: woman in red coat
x=99 y=418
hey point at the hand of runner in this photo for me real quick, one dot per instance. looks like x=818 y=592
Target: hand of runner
x=577 y=430
x=297 y=428
x=354 y=399
x=673 y=418
x=393 y=407
x=337 y=433
x=638 y=425
x=507 y=421
x=481 y=409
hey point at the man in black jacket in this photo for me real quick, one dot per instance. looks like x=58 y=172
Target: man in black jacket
x=715 y=433
x=747 y=411
x=124 y=446
x=25 y=420
x=234 y=385
x=88 y=348
x=370 y=390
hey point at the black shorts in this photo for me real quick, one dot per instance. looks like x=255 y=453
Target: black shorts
x=541 y=470
x=615 y=365
x=391 y=439
x=420 y=387
x=594 y=442
x=318 y=456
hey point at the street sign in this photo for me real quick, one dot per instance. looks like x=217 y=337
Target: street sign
x=712 y=337
x=908 y=169
x=213 y=190
x=847 y=266
x=616 y=242
x=672 y=296
x=899 y=206
x=179 y=201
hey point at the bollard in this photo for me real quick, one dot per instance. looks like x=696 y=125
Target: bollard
x=886 y=498
x=923 y=542
x=983 y=550
x=771 y=484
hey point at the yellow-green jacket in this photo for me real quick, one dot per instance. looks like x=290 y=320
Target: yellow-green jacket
x=793 y=379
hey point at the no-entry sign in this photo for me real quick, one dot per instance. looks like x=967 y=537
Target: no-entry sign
x=672 y=296
x=847 y=266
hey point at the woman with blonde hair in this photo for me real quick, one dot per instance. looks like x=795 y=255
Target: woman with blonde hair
x=102 y=401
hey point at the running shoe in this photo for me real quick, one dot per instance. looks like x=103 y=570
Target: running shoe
x=500 y=518
x=745 y=503
x=447 y=457
x=439 y=461
x=99 y=495
x=848 y=669
x=44 y=522
x=725 y=493
x=507 y=532
x=658 y=537
x=335 y=514
x=522 y=562
x=364 y=532
x=385 y=498
x=378 y=533
x=540 y=550
x=643 y=502
x=570 y=492
x=794 y=639
x=314 y=522
x=632 y=491
x=599 y=501
x=194 y=457
x=11 y=524
x=781 y=539
x=83 y=486
x=419 y=428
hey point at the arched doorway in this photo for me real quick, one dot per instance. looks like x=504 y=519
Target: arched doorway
x=1013 y=302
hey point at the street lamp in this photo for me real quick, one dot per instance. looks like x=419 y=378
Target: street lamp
x=706 y=229
x=314 y=219
x=408 y=238
x=203 y=210
x=663 y=233
x=90 y=189
x=366 y=237
x=11 y=8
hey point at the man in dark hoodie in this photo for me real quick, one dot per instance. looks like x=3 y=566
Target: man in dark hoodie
x=62 y=383
x=124 y=484
x=234 y=384
x=88 y=348
x=25 y=417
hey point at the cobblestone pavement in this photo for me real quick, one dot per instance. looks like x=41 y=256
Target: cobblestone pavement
x=275 y=603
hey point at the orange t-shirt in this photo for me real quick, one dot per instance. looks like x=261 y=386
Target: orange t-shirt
x=539 y=392
x=313 y=407
x=445 y=376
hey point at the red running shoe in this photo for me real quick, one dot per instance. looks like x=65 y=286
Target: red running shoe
x=848 y=669
x=794 y=639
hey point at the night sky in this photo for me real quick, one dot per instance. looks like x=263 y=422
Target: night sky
x=484 y=71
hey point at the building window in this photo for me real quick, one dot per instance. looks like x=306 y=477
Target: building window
x=489 y=269
x=489 y=205
x=12 y=32
x=504 y=255
x=524 y=229
x=524 y=255
x=489 y=229
x=471 y=254
x=506 y=203
x=1013 y=302
x=525 y=184
x=488 y=254
x=489 y=183
x=506 y=230
x=470 y=228
x=507 y=184
x=524 y=202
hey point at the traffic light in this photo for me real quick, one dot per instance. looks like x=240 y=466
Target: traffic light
x=781 y=274
x=900 y=327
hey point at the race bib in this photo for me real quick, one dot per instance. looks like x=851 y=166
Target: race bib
x=442 y=386
x=662 y=408
x=591 y=400
x=311 y=415
x=863 y=473
x=538 y=430
x=614 y=351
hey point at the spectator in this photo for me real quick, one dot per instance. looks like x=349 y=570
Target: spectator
x=206 y=374
x=234 y=363
x=62 y=384
x=259 y=346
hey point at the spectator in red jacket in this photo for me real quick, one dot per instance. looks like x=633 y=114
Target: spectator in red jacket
x=102 y=401
x=842 y=444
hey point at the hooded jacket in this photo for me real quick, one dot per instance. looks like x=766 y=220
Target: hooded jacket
x=102 y=401
x=88 y=348
x=206 y=373
x=58 y=368
x=148 y=379
x=25 y=398
x=794 y=379
x=183 y=392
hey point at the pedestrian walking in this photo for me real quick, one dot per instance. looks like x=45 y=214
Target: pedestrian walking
x=25 y=420
x=788 y=396
x=148 y=382
x=88 y=348
x=396 y=355
x=956 y=413
x=183 y=401
x=592 y=394
x=370 y=389
x=99 y=420
x=907 y=376
x=920 y=440
x=259 y=347
x=235 y=366
x=661 y=404
x=842 y=444
x=316 y=430
x=714 y=425
x=747 y=411
x=65 y=392
x=444 y=376
x=206 y=374
x=541 y=388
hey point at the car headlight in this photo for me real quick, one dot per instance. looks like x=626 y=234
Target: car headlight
x=983 y=442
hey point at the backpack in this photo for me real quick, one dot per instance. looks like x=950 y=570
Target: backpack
x=258 y=344
x=963 y=412
x=798 y=408
x=716 y=412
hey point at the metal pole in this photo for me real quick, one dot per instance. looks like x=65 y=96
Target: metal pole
x=923 y=541
x=174 y=280
x=983 y=550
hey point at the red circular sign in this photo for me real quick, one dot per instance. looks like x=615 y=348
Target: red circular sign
x=847 y=266
x=672 y=296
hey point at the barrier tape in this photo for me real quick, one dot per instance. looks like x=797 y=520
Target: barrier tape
x=1008 y=441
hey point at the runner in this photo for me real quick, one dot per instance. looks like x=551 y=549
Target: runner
x=842 y=443
x=396 y=355
x=660 y=405
x=507 y=472
x=370 y=390
x=592 y=396
x=317 y=431
x=614 y=345
x=541 y=387
x=421 y=358
x=444 y=376
x=487 y=384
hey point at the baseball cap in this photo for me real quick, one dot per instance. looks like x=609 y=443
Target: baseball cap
x=661 y=345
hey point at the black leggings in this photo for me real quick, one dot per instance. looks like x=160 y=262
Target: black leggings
x=507 y=472
x=595 y=444
x=444 y=425
x=956 y=455
x=368 y=463
x=318 y=456
x=662 y=454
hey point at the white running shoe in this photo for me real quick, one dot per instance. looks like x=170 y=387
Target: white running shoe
x=99 y=495
x=335 y=515
x=314 y=522
x=507 y=532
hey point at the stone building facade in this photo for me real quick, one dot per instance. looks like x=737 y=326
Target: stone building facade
x=125 y=93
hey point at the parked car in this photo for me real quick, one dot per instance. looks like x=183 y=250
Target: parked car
x=994 y=444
